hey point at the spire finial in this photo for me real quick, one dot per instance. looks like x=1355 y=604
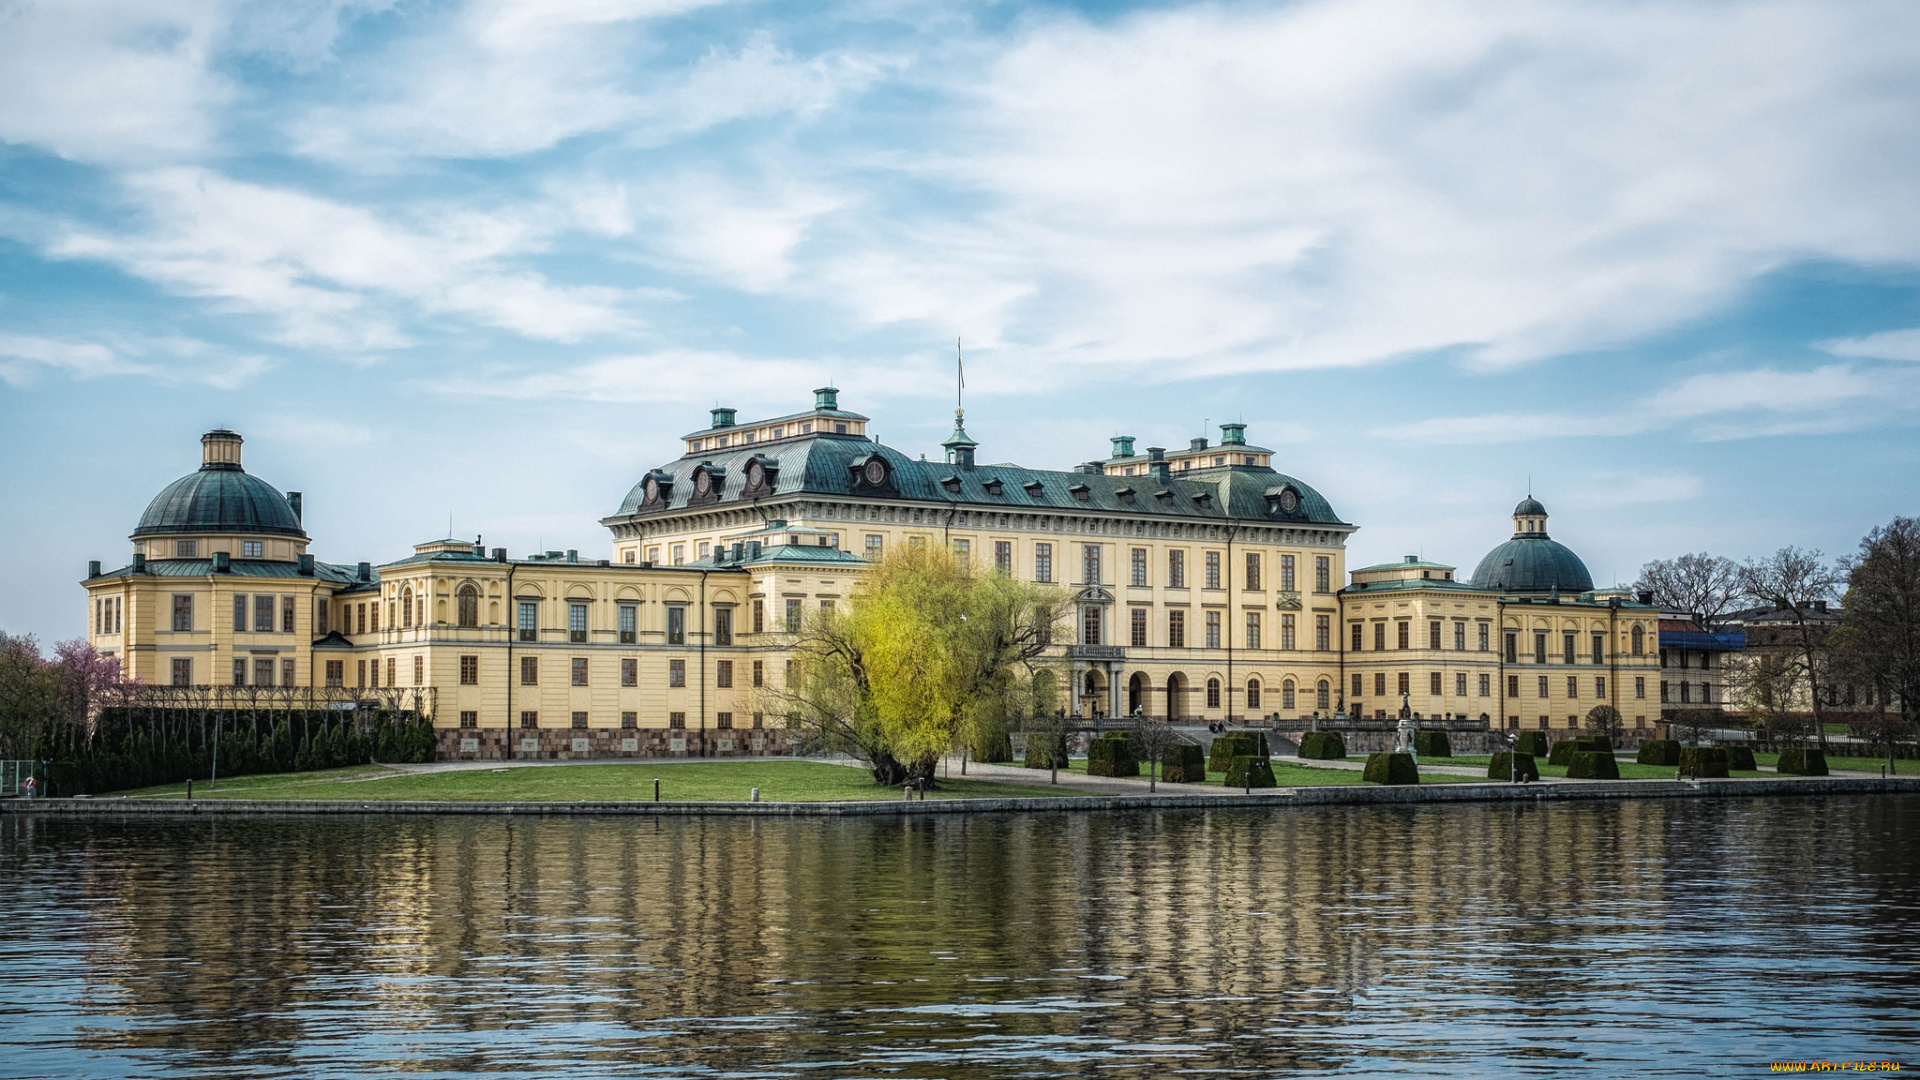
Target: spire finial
x=960 y=379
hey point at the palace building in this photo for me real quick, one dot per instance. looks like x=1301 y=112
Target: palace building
x=1206 y=585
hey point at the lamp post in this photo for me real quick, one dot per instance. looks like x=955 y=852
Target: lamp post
x=1513 y=757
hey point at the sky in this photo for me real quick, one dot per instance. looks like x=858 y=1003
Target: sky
x=478 y=266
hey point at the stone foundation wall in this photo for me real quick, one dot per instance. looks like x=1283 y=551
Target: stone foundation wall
x=608 y=744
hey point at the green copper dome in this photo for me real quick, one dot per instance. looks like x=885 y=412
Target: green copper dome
x=1530 y=562
x=220 y=497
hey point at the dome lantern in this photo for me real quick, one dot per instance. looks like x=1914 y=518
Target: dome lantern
x=220 y=449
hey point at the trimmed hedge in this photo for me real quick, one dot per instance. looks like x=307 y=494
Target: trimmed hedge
x=1563 y=751
x=1234 y=744
x=1112 y=755
x=992 y=747
x=1391 y=769
x=1323 y=745
x=1534 y=744
x=1038 y=746
x=1184 y=763
x=1593 y=765
x=1506 y=765
x=1246 y=771
x=1432 y=744
x=1658 y=752
x=1803 y=762
x=1708 y=762
x=1740 y=757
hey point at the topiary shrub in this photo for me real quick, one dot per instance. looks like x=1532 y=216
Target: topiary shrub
x=1740 y=757
x=1247 y=771
x=1593 y=765
x=1534 y=744
x=1323 y=746
x=1233 y=744
x=1432 y=744
x=1046 y=750
x=1391 y=769
x=1184 y=763
x=1112 y=755
x=992 y=746
x=1803 y=762
x=1562 y=752
x=1506 y=765
x=1709 y=762
x=1658 y=752
x=1594 y=742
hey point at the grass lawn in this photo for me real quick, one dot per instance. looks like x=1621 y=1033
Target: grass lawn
x=1288 y=775
x=680 y=781
x=1904 y=766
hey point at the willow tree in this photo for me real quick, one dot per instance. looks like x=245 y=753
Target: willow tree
x=927 y=655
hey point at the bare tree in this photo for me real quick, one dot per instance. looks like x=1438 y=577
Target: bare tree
x=1155 y=740
x=1798 y=584
x=1692 y=725
x=1605 y=720
x=1707 y=585
x=1877 y=643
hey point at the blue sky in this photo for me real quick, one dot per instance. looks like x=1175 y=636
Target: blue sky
x=490 y=260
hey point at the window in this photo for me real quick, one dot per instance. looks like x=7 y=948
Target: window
x=1513 y=686
x=1090 y=563
x=239 y=672
x=676 y=673
x=286 y=614
x=360 y=673
x=263 y=672
x=793 y=616
x=1286 y=695
x=1212 y=571
x=1640 y=687
x=374 y=618
x=629 y=624
x=1253 y=630
x=1138 y=634
x=1566 y=647
x=1483 y=637
x=252 y=549
x=1433 y=635
x=1286 y=573
x=529 y=620
x=1253 y=571
x=1090 y=625
x=580 y=720
x=723 y=674
x=1573 y=687
x=1253 y=693
x=759 y=616
x=1639 y=640
x=1379 y=684
x=393 y=662
x=529 y=719
x=629 y=555
x=629 y=672
x=1176 y=569
x=1176 y=629
x=1357 y=631
x=629 y=720
x=1043 y=562
x=679 y=554
x=1402 y=685
x=705 y=549
x=579 y=671
x=1599 y=648
x=1402 y=630
x=1513 y=647
x=759 y=673
x=1539 y=646
x=419 y=670
x=1356 y=685
x=1433 y=683
x=577 y=622
x=1322 y=573
x=1138 y=568
x=186 y=549
x=1379 y=637
x=406 y=606
x=875 y=544
x=723 y=626
x=1323 y=696
x=529 y=671
x=723 y=720
x=916 y=542
x=1213 y=693
x=1003 y=556
x=362 y=620
x=239 y=614
x=470 y=671
x=183 y=670
x=826 y=605
x=1543 y=692
x=1600 y=687
x=263 y=614
x=677 y=721
x=759 y=721
x=1323 y=632
x=676 y=624
x=336 y=672
x=1486 y=686
x=182 y=615
x=1459 y=637
x=963 y=554
x=1460 y=684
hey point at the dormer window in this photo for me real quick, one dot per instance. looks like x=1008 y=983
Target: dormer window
x=1034 y=488
x=994 y=486
x=1126 y=495
x=951 y=483
x=1079 y=491
x=1202 y=499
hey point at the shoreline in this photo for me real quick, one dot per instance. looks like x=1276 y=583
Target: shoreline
x=1273 y=798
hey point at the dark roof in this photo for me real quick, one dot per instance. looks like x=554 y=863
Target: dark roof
x=1533 y=564
x=1529 y=507
x=246 y=568
x=822 y=464
x=1398 y=584
x=219 y=498
x=782 y=553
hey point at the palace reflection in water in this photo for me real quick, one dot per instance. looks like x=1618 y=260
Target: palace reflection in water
x=1614 y=938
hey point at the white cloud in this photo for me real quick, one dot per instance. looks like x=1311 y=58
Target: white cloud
x=1887 y=345
x=22 y=357
x=1762 y=389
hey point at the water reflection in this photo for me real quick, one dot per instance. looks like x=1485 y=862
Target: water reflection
x=1658 y=937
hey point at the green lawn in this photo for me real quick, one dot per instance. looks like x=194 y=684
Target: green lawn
x=680 y=781
x=1904 y=766
x=1288 y=775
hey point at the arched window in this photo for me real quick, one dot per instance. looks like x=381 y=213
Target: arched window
x=1321 y=700
x=1286 y=695
x=406 y=605
x=1253 y=693
x=1639 y=639
x=1213 y=693
x=1093 y=686
x=469 y=605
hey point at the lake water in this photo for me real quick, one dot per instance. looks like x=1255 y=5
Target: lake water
x=1616 y=939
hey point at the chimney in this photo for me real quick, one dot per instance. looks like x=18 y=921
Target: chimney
x=139 y=563
x=573 y=555
x=306 y=566
x=1198 y=444
x=1233 y=434
x=363 y=572
x=1820 y=606
x=753 y=549
x=723 y=418
x=826 y=397
x=1646 y=598
x=93 y=568
x=739 y=549
x=222 y=562
x=479 y=550
x=293 y=500
x=1157 y=463
x=499 y=554
x=1122 y=446
x=220 y=449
